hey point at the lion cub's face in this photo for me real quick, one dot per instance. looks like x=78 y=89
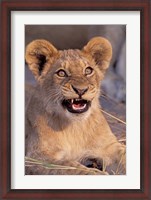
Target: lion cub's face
x=69 y=79
x=73 y=81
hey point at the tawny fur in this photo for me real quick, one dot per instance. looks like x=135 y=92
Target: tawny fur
x=55 y=135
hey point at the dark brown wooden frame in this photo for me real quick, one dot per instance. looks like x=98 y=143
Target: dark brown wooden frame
x=5 y=93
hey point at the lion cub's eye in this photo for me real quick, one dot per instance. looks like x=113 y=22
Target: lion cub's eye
x=88 y=71
x=61 y=73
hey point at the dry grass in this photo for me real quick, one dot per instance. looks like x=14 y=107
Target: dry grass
x=30 y=162
x=112 y=116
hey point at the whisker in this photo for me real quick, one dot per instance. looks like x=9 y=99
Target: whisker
x=55 y=97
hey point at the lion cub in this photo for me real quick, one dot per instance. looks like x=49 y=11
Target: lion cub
x=64 y=123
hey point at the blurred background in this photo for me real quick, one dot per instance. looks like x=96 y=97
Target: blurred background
x=113 y=98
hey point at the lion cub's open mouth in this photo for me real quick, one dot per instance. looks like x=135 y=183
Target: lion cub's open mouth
x=76 y=105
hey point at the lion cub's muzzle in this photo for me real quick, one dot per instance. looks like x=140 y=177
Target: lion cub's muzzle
x=77 y=105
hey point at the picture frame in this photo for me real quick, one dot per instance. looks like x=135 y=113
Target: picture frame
x=5 y=89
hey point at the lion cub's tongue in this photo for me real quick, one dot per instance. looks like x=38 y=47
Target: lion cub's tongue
x=78 y=106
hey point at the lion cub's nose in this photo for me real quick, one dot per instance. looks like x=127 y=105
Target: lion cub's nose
x=80 y=92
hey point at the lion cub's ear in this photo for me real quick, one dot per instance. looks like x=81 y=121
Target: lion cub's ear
x=100 y=50
x=38 y=53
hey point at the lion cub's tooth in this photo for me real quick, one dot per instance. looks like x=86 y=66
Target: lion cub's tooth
x=71 y=100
